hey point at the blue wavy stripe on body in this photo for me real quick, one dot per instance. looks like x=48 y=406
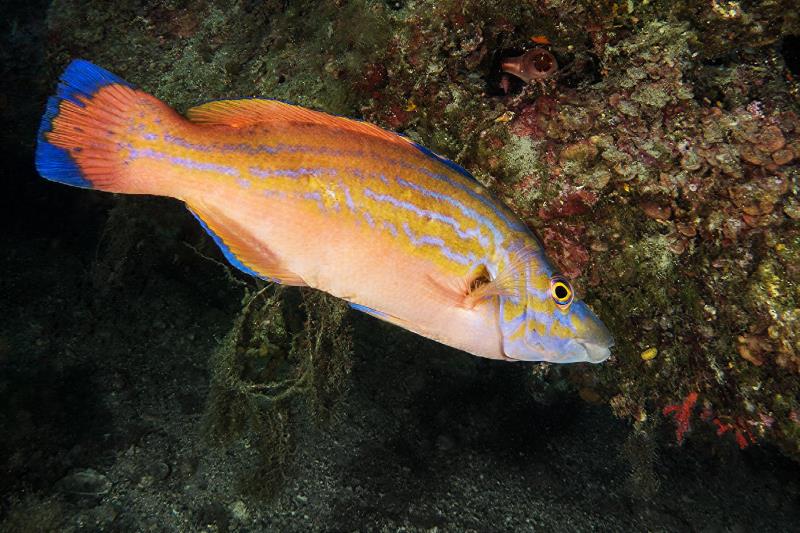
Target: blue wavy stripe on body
x=541 y=317
x=336 y=152
x=485 y=200
x=438 y=242
x=391 y=227
x=314 y=195
x=185 y=162
x=369 y=219
x=290 y=172
x=547 y=348
x=470 y=213
x=348 y=198
x=239 y=148
x=428 y=214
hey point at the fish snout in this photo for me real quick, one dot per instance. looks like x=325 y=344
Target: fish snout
x=594 y=341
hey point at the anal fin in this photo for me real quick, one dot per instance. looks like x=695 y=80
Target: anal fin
x=241 y=248
x=380 y=314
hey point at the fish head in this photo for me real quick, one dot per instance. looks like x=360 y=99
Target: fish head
x=545 y=322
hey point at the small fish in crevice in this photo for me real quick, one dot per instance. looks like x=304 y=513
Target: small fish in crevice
x=535 y=65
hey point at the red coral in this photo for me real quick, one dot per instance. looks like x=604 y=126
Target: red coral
x=682 y=413
x=743 y=436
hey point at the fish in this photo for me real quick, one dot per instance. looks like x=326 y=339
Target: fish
x=304 y=198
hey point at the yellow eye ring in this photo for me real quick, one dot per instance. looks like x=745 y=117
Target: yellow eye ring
x=561 y=291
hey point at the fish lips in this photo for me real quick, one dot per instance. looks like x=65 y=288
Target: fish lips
x=595 y=352
x=572 y=351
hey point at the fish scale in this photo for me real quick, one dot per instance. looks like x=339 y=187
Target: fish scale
x=304 y=198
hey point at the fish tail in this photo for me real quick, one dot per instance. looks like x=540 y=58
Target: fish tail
x=82 y=136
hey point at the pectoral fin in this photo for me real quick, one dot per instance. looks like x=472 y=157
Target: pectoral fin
x=470 y=291
x=241 y=248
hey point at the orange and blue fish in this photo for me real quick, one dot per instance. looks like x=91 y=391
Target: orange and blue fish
x=300 y=197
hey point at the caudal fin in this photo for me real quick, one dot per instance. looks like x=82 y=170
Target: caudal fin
x=81 y=137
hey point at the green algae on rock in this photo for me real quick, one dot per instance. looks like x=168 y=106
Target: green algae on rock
x=284 y=364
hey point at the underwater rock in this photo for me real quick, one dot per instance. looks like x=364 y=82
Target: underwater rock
x=88 y=483
x=656 y=211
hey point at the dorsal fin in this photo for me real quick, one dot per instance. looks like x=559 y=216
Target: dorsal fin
x=243 y=250
x=244 y=112
x=452 y=165
x=249 y=111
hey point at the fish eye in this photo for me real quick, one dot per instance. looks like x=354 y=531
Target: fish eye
x=561 y=291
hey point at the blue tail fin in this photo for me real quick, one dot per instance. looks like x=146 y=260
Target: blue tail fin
x=68 y=127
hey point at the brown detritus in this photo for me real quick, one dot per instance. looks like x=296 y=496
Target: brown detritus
x=565 y=247
x=753 y=348
x=577 y=202
x=625 y=407
x=590 y=395
x=677 y=245
x=533 y=120
x=373 y=79
x=655 y=210
x=582 y=151
x=792 y=208
x=769 y=139
x=783 y=156
x=279 y=357
x=687 y=230
x=754 y=156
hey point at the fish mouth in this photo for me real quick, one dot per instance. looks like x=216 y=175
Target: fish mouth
x=596 y=352
x=572 y=351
